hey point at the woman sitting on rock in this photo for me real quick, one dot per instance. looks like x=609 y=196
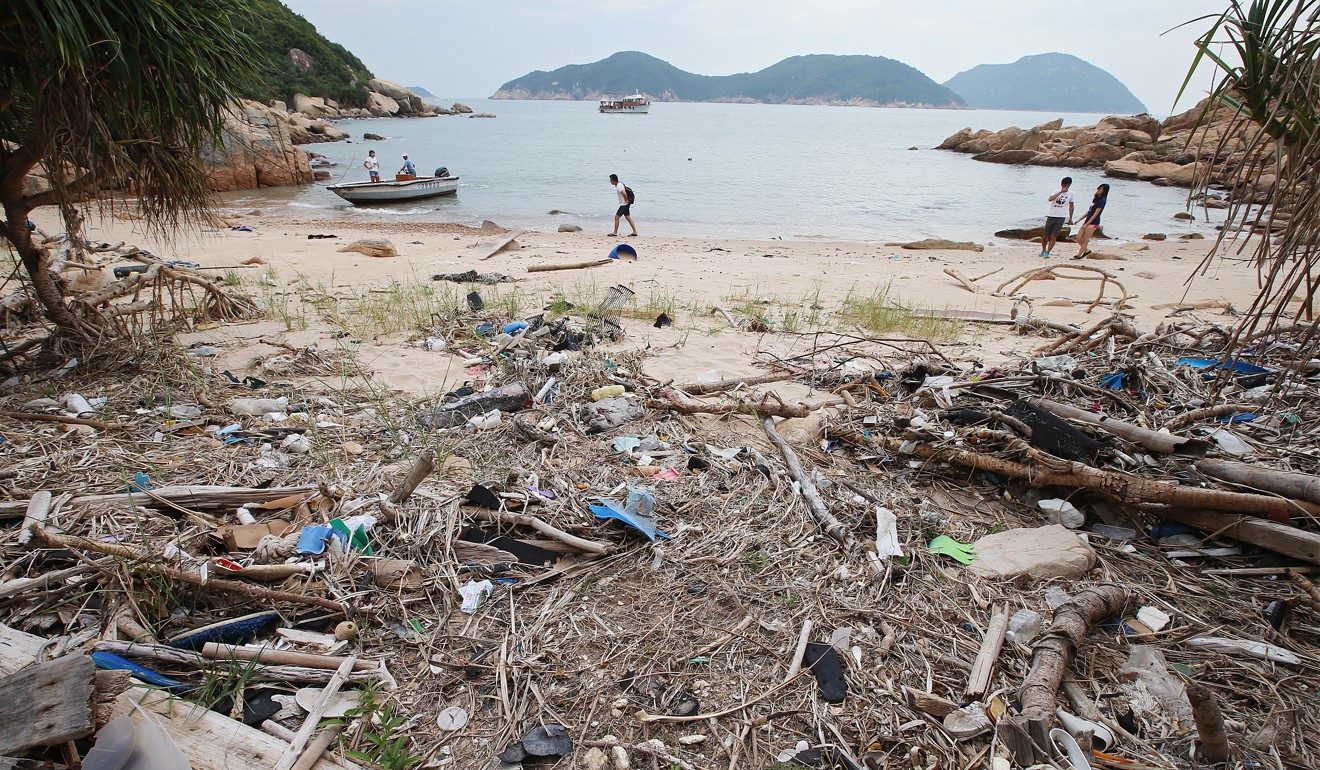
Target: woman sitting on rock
x=1091 y=222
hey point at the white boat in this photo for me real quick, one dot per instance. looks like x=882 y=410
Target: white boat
x=634 y=104
x=399 y=190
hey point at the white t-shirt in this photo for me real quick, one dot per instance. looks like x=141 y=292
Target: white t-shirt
x=1059 y=206
x=372 y=163
x=623 y=194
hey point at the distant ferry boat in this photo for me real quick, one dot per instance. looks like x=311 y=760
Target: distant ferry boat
x=636 y=103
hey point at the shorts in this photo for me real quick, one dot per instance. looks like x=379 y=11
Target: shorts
x=1053 y=226
x=624 y=210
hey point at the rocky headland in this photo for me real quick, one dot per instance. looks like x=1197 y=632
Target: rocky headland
x=1184 y=150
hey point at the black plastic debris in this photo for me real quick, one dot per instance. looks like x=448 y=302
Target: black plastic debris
x=824 y=663
x=319 y=236
x=1276 y=612
x=687 y=705
x=475 y=301
x=482 y=496
x=525 y=553
x=548 y=741
x=663 y=320
x=1052 y=434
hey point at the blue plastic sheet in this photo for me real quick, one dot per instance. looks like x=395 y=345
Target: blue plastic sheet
x=613 y=509
x=112 y=662
x=1238 y=367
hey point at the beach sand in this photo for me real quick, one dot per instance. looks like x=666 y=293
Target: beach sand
x=314 y=293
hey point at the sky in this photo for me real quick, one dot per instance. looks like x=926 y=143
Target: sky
x=468 y=49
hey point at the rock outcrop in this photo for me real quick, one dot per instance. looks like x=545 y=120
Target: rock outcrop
x=1178 y=151
x=258 y=151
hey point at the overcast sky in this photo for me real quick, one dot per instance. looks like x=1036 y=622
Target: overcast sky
x=468 y=49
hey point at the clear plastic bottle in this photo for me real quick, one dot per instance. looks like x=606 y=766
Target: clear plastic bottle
x=255 y=407
x=1024 y=626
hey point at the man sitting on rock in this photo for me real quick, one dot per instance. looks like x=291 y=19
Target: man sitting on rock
x=1061 y=208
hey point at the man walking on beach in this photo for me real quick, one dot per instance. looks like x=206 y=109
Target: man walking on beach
x=625 y=205
x=372 y=165
x=1061 y=208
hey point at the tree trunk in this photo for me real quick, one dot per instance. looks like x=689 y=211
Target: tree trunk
x=35 y=260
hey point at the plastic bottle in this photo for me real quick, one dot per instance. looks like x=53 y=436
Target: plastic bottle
x=255 y=407
x=486 y=420
x=608 y=391
x=1056 y=597
x=1023 y=626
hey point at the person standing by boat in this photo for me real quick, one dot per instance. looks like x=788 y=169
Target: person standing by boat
x=409 y=167
x=372 y=165
x=1091 y=222
x=1061 y=208
x=625 y=205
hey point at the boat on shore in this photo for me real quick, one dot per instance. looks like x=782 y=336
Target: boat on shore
x=403 y=188
x=633 y=104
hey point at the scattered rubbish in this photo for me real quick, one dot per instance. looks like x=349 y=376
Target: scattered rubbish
x=1260 y=650
x=257 y=407
x=1023 y=626
x=1059 y=511
x=825 y=665
x=663 y=320
x=452 y=719
x=611 y=413
x=475 y=594
x=508 y=398
x=1042 y=553
x=955 y=550
x=475 y=302
x=623 y=251
x=1153 y=618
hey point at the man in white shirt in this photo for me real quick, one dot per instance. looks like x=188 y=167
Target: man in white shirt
x=625 y=205
x=372 y=165
x=1061 y=208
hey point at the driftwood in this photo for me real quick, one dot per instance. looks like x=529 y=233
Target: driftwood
x=1049 y=471
x=1209 y=723
x=47 y=704
x=299 y=742
x=815 y=503
x=568 y=266
x=1210 y=412
x=487 y=249
x=1299 y=486
x=1164 y=443
x=420 y=470
x=269 y=655
x=144 y=566
x=677 y=403
x=960 y=278
x=1018 y=282
x=523 y=520
x=1054 y=652
x=43 y=417
x=702 y=388
x=192 y=496
x=991 y=645
x=1280 y=538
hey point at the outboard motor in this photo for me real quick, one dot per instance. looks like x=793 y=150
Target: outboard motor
x=441 y=172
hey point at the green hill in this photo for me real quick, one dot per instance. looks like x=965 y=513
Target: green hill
x=324 y=68
x=815 y=79
x=1045 y=82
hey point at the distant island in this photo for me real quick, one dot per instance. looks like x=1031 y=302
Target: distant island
x=422 y=92
x=815 y=79
x=1045 y=82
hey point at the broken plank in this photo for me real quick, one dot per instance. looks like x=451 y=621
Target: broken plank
x=47 y=704
x=18 y=649
x=488 y=249
x=209 y=740
x=38 y=511
x=193 y=497
x=1270 y=535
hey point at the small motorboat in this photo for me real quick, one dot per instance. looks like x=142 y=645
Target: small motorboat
x=405 y=187
x=633 y=104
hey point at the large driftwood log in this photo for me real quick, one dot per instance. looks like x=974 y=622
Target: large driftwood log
x=523 y=520
x=815 y=503
x=702 y=388
x=1124 y=487
x=1164 y=443
x=1280 y=538
x=1054 y=653
x=1299 y=486
x=677 y=402
x=193 y=497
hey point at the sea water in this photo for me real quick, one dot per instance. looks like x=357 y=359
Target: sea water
x=722 y=170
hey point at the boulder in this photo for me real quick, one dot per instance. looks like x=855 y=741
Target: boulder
x=1124 y=168
x=1191 y=237
x=1183 y=216
x=1136 y=247
x=1154 y=237
x=302 y=60
x=1189 y=175
x=461 y=109
x=1031 y=233
x=373 y=247
x=257 y=151
x=305 y=130
x=1006 y=156
x=941 y=243
x=370 y=137
x=1143 y=123
x=278 y=104
x=381 y=105
x=1091 y=154
x=311 y=106
x=390 y=88
x=1042 y=553
x=570 y=229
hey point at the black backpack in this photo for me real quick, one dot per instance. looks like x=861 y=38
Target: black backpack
x=632 y=197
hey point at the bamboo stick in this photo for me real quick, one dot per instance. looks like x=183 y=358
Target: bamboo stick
x=1300 y=486
x=1164 y=443
x=993 y=643
x=815 y=503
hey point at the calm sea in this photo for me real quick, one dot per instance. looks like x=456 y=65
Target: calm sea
x=722 y=170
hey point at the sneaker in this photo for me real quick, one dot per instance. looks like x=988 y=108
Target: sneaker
x=1045 y=254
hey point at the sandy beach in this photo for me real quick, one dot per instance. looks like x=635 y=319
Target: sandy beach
x=314 y=294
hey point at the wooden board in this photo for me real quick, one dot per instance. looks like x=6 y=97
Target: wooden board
x=1271 y=535
x=488 y=249
x=47 y=704
x=18 y=650
x=209 y=740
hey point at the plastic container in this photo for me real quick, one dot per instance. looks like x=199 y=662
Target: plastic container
x=508 y=398
x=486 y=420
x=435 y=344
x=255 y=407
x=78 y=405
x=608 y=391
x=623 y=251
x=1024 y=626
x=1056 y=597
x=1117 y=534
x=515 y=327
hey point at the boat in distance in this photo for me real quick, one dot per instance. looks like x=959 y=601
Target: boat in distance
x=402 y=188
x=635 y=104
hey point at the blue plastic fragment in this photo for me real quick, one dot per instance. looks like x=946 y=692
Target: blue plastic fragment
x=112 y=662
x=612 y=509
x=141 y=482
x=230 y=631
x=1232 y=418
x=1240 y=367
x=485 y=329
x=313 y=540
x=1113 y=381
x=516 y=326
